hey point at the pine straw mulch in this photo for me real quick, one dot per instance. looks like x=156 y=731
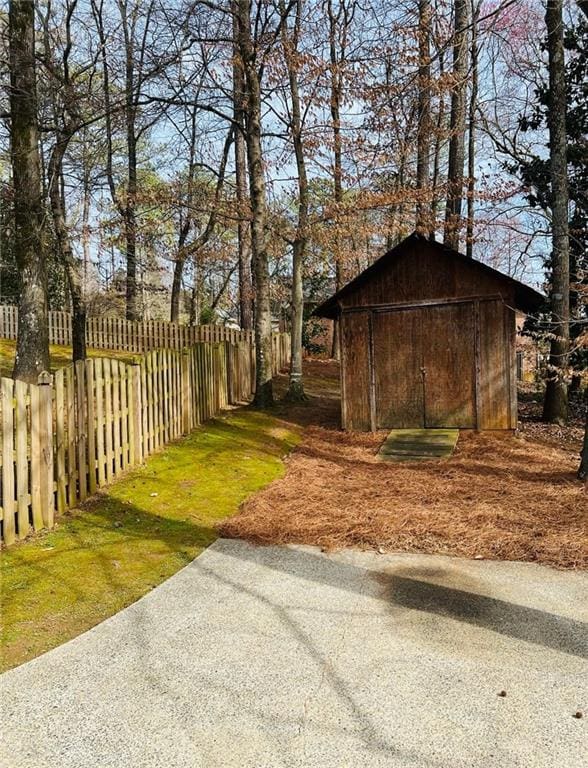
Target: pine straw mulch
x=497 y=497
x=530 y=408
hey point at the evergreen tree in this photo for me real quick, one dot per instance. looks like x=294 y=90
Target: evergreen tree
x=535 y=174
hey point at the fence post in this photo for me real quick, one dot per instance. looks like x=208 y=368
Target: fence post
x=229 y=369
x=135 y=420
x=46 y=443
x=186 y=398
x=8 y=461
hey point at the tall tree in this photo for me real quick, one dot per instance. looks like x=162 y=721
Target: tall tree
x=32 y=347
x=67 y=119
x=340 y=19
x=186 y=219
x=194 y=249
x=439 y=130
x=555 y=406
x=472 y=108
x=243 y=227
x=252 y=67
x=456 y=158
x=423 y=223
x=290 y=43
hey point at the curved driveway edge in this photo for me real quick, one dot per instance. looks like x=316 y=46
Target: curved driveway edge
x=274 y=657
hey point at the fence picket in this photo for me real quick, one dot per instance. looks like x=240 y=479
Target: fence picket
x=46 y=441
x=108 y=420
x=72 y=465
x=8 y=505
x=36 y=506
x=116 y=417
x=91 y=424
x=100 y=452
x=62 y=441
x=21 y=391
x=124 y=414
x=81 y=418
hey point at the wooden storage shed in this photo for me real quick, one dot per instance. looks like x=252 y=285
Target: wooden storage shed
x=427 y=339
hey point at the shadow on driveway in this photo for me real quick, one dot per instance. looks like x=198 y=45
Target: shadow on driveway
x=506 y=618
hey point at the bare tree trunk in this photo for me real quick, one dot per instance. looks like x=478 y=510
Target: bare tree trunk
x=263 y=322
x=196 y=293
x=439 y=129
x=86 y=225
x=185 y=228
x=290 y=44
x=457 y=126
x=130 y=220
x=424 y=117
x=243 y=225
x=124 y=204
x=32 y=346
x=66 y=255
x=472 y=131
x=174 y=313
x=184 y=250
x=339 y=21
x=555 y=405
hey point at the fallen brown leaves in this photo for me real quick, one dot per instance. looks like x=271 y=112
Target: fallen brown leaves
x=498 y=497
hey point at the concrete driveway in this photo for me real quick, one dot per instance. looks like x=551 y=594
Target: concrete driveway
x=269 y=657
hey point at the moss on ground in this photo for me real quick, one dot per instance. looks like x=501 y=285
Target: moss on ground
x=135 y=534
x=60 y=356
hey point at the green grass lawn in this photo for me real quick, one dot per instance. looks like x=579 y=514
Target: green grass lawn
x=136 y=533
x=60 y=356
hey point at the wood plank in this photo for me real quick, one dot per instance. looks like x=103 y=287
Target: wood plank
x=151 y=415
x=135 y=416
x=494 y=359
x=21 y=390
x=355 y=333
x=36 y=501
x=72 y=463
x=449 y=361
x=91 y=424
x=418 y=444
x=398 y=367
x=81 y=418
x=108 y=419
x=46 y=473
x=100 y=449
x=185 y=401
x=124 y=413
x=60 y=445
x=116 y=417
x=145 y=408
x=8 y=490
x=165 y=395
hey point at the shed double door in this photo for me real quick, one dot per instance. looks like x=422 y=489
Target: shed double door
x=424 y=367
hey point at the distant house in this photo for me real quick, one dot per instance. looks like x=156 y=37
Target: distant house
x=428 y=340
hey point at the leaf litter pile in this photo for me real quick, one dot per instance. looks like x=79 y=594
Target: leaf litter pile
x=498 y=497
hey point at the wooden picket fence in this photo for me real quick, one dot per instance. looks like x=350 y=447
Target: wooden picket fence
x=69 y=435
x=125 y=335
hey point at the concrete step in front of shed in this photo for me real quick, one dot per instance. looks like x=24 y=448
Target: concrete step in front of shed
x=418 y=444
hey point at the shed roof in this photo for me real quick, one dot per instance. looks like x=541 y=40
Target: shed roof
x=527 y=299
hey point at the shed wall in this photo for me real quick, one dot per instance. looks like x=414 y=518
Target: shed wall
x=423 y=272
x=446 y=364
x=355 y=372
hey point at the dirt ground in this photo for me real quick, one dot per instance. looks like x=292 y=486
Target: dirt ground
x=498 y=497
